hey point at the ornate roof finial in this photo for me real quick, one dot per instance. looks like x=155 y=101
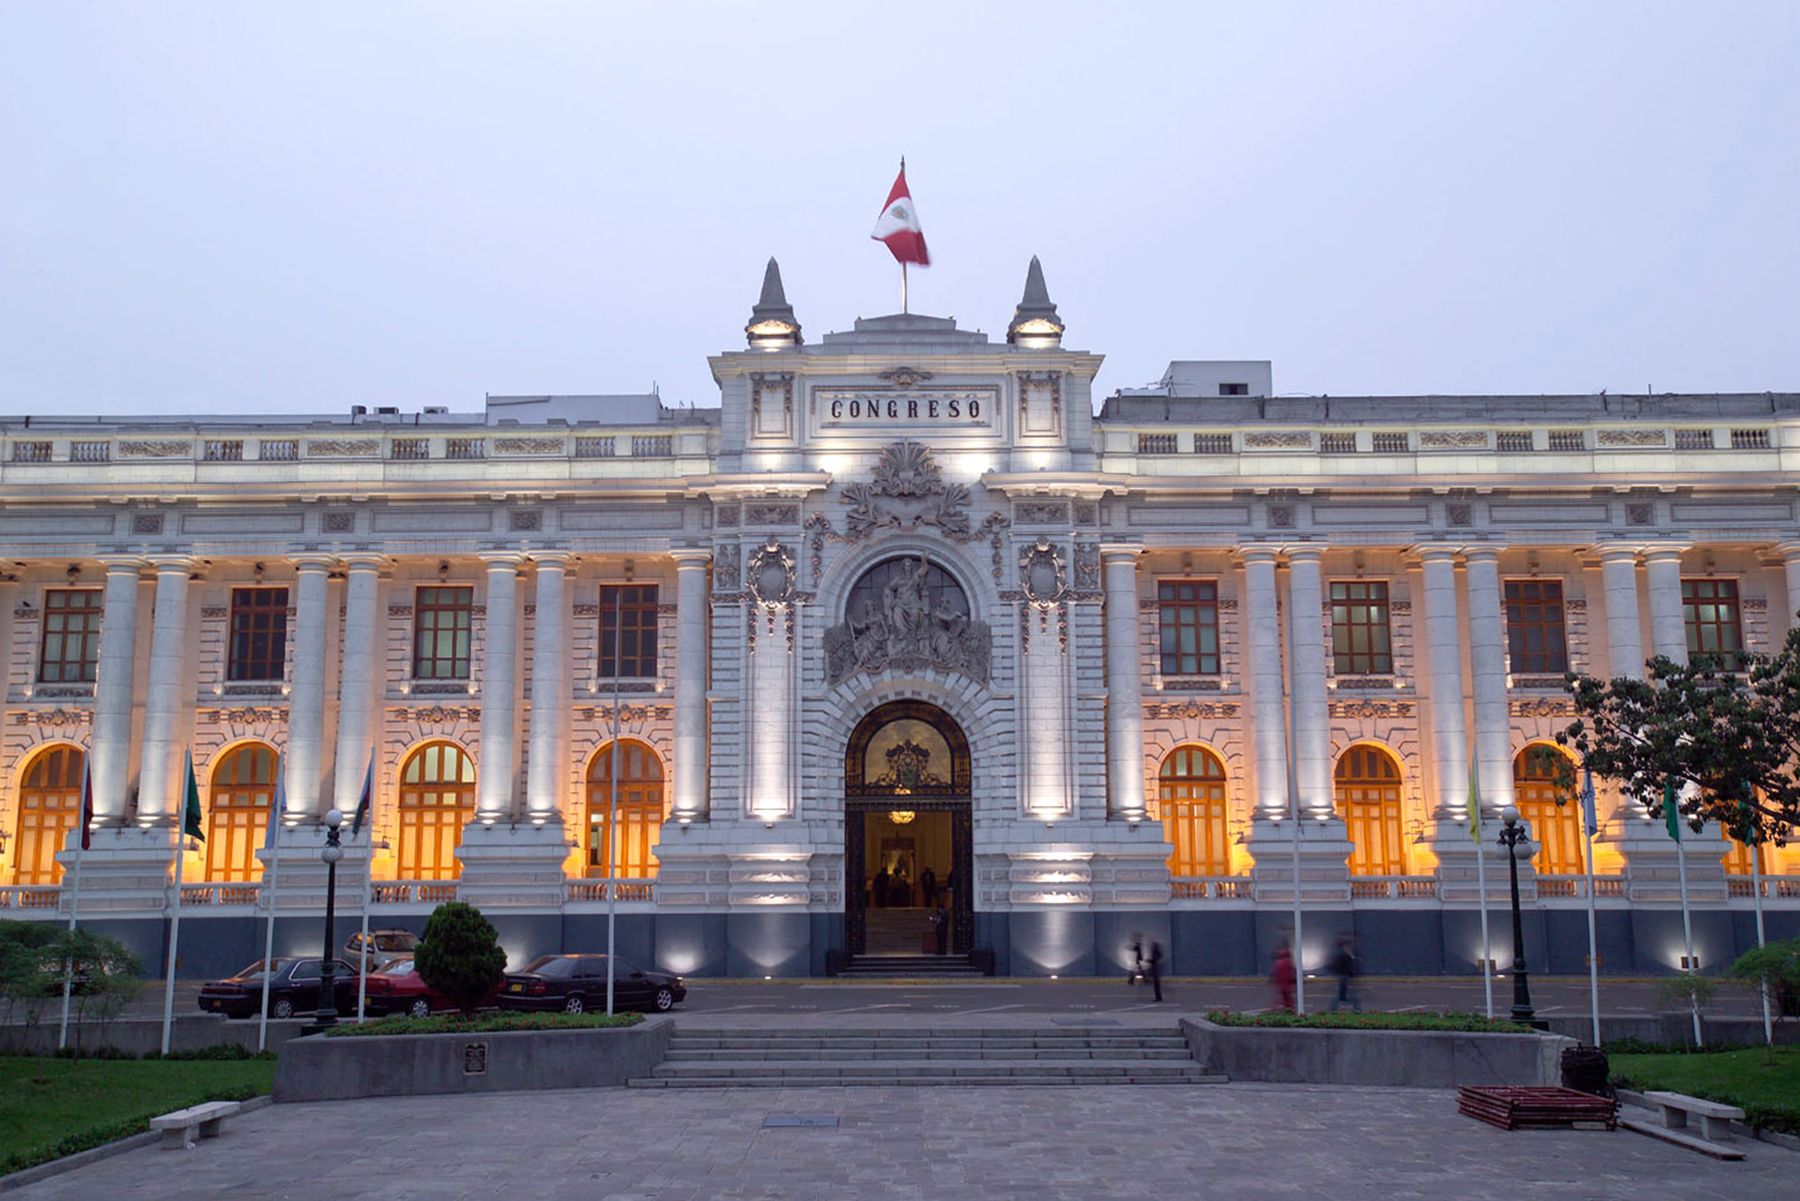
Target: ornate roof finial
x=1035 y=323
x=773 y=325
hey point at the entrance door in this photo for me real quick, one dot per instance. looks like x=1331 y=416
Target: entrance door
x=907 y=832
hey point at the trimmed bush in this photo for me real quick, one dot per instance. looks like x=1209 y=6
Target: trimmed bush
x=459 y=954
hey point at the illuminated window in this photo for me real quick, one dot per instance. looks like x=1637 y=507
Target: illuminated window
x=1368 y=799
x=1190 y=798
x=258 y=634
x=640 y=812
x=1188 y=622
x=243 y=788
x=1710 y=608
x=1359 y=628
x=1535 y=641
x=442 y=620
x=70 y=651
x=437 y=799
x=633 y=606
x=1556 y=829
x=49 y=807
x=1737 y=858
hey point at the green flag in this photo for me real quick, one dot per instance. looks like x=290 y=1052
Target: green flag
x=190 y=808
x=1671 y=810
x=1475 y=799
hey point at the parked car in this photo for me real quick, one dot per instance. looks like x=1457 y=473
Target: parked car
x=384 y=946
x=293 y=989
x=398 y=988
x=577 y=984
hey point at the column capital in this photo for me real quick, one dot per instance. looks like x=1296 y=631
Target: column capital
x=689 y=557
x=552 y=560
x=501 y=560
x=1435 y=552
x=1665 y=552
x=313 y=561
x=170 y=564
x=1481 y=552
x=1789 y=551
x=1257 y=552
x=1310 y=552
x=121 y=563
x=1613 y=552
x=1121 y=550
x=363 y=560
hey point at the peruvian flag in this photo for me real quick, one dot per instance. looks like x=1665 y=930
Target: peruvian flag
x=898 y=224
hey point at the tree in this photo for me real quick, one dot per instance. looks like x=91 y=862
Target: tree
x=1775 y=967
x=1732 y=735
x=459 y=954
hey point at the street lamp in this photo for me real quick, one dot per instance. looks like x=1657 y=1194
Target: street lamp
x=332 y=851
x=1517 y=842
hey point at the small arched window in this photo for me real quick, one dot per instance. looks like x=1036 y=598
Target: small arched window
x=1190 y=799
x=905 y=576
x=1368 y=799
x=237 y=820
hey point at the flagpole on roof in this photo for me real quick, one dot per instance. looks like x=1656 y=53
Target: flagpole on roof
x=903 y=308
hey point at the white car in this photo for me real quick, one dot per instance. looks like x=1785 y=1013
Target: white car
x=385 y=946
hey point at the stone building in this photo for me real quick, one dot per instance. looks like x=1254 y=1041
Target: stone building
x=901 y=623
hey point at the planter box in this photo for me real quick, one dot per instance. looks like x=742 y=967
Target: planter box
x=1402 y=1058
x=406 y=1065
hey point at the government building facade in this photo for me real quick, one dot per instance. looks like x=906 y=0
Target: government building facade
x=903 y=630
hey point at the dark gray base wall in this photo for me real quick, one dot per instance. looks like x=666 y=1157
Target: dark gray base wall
x=1043 y=943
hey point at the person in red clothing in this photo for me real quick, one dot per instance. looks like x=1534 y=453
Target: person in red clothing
x=1281 y=975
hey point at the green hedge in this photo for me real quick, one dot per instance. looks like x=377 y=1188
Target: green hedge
x=1470 y=1023
x=485 y=1023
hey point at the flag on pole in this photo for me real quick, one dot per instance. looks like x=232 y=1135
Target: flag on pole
x=1671 y=811
x=362 y=804
x=1590 y=820
x=898 y=225
x=191 y=818
x=87 y=803
x=1474 y=799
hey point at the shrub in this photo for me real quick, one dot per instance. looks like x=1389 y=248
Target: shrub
x=485 y=1023
x=1776 y=965
x=459 y=954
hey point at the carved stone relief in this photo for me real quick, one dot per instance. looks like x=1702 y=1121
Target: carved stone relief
x=146 y=523
x=1452 y=439
x=339 y=523
x=727 y=560
x=904 y=633
x=1043 y=576
x=1632 y=438
x=1278 y=440
x=342 y=448
x=1087 y=566
x=908 y=491
x=1041 y=512
x=529 y=446
x=132 y=448
x=770 y=577
x=771 y=514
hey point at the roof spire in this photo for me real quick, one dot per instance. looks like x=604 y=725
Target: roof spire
x=1035 y=323
x=773 y=325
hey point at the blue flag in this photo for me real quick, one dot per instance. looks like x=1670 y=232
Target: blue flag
x=1588 y=816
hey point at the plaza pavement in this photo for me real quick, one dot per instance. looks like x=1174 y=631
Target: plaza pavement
x=1244 y=1142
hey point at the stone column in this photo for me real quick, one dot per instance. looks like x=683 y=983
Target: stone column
x=305 y=758
x=1668 y=623
x=170 y=694
x=1306 y=653
x=113 y=689
x=1124 y=687
x=547 y=764
x=499 y=765
x=1487 y=666
x=359 y=715
x=1449 y=740
x=1790 y=564
x=1624 y=628
x=1267 y=700
x=690 y=766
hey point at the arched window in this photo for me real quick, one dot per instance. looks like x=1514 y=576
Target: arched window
x=437 y=799
x=1368 y=797
x=1556 y=829
x=243 y=788
x=1190 y=799
x=640 y=810
x=869 y=595
x=1737 y=857
x=49 y=807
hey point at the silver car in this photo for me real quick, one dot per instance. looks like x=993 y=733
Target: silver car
x=384 y=947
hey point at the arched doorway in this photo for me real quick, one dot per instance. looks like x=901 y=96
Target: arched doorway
x=1190 y=799
x=1556 y=829
x=237 y=820
x=49 y=807
x=1368 y=798
x=908 y=839
x=437 y=799
x=640 y=810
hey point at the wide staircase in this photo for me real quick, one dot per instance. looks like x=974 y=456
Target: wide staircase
x=796 y=1058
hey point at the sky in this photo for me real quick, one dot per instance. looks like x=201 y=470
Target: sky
x=244 y=208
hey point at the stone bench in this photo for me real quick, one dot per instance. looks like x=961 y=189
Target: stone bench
x=1715 y=1118
x=180 y=1128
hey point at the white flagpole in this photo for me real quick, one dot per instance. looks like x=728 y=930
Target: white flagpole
x=262 y=1025
x=612 y=805
x=1593 y=937
x=174 y=922
x=1687 y=933
x=362 y=977
x=1756 y=891
x=62 y=1033
x=903 y=307
x=1487 y=944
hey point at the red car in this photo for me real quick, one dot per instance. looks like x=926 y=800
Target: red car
x=398 y=988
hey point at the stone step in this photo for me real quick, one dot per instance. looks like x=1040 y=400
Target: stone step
x=901 y=1042
x=931 y=1032
x=846 y=1054
x=879 y=1081
x=941 y=1069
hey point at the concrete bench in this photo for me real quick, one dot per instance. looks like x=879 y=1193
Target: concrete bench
x=1715 y=1119
x=180 y=1128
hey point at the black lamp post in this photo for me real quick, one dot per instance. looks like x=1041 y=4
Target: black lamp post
x=326 y=1017
x=1518 y=846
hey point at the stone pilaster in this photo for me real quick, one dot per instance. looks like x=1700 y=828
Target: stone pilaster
x=1449 y=739
x=304 y=761
x=545 y=768
x=1124 y=687
x=1268 y=703
x=1306 y=665
x=497 y=772
x=169 y=697
x=113 y=690
x=359 y=674
x=1624 y=628
x=1668 y=626
x=690 y=766
x=1487 y=669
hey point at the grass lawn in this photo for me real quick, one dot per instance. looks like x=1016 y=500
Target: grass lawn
x=55 y=1107
x=1764 y=1084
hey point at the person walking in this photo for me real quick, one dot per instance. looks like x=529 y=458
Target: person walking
x=1281 y=975
x=1344 y=966
x=1136 y=974
x=1156 y=960
x=879 y=892
x=941 y=921
x=928 y=888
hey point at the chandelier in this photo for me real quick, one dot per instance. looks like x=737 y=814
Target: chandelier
x=901 y=817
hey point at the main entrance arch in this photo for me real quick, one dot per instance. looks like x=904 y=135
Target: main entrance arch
x=908 y=834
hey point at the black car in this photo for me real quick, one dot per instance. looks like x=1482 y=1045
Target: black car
x=293 y=989
x=577 y=984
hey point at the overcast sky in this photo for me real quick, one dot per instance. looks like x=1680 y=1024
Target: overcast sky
x=256 y=207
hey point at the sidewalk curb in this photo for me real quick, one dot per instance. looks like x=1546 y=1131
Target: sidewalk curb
x=1775 y=1138
x=81 y=1159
